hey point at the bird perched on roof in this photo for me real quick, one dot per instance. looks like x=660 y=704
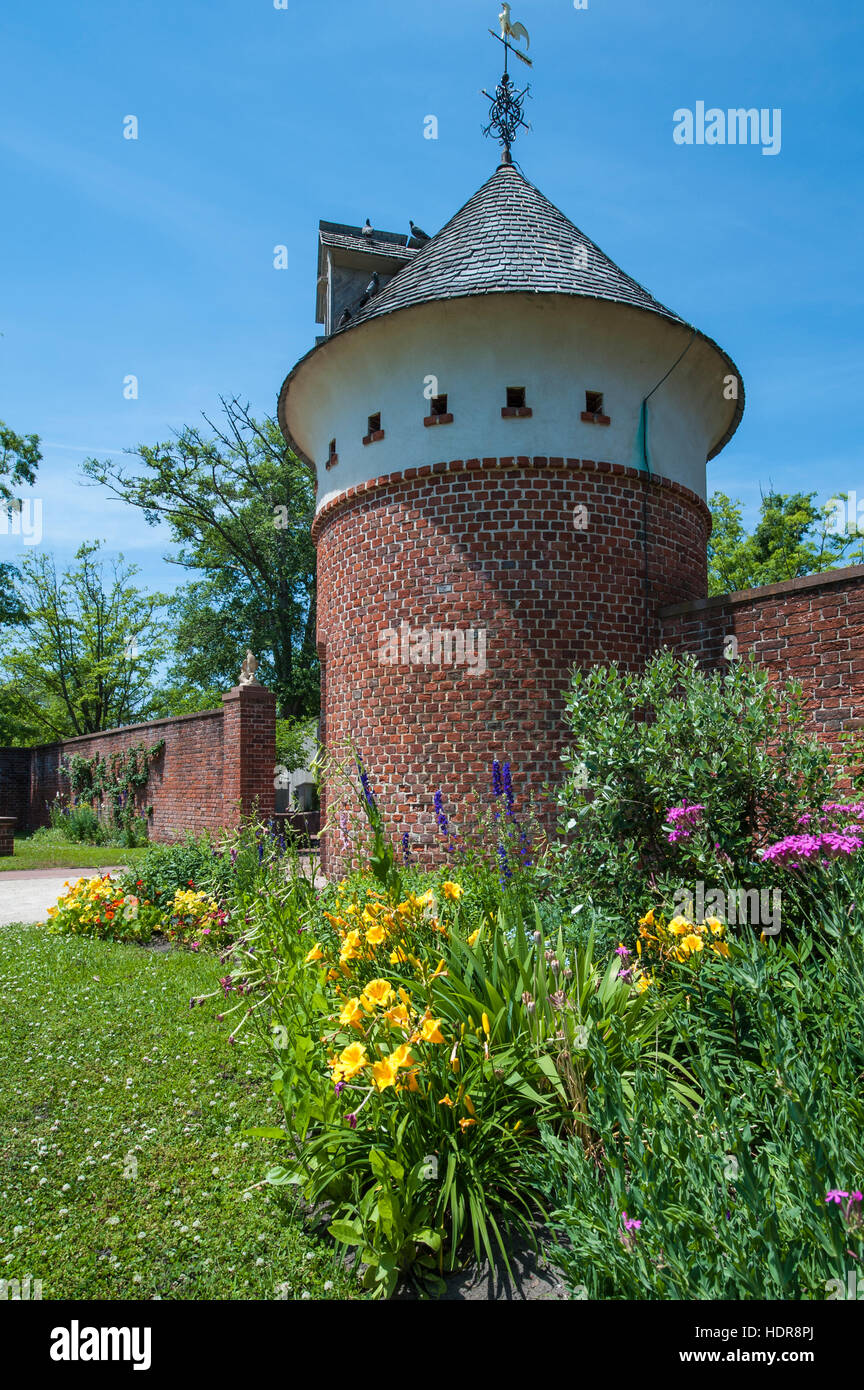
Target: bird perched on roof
x=512 y=31
x=367 y=229
x=345 y=317
x=372 y=287
x=418 y=232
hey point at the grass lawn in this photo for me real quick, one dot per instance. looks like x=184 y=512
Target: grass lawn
x=31 y=854
x=124 y=1172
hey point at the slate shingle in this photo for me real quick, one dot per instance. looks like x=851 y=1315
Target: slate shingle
x=508 y=238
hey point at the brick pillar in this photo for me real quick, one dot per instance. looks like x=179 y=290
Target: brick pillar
x=248 y=752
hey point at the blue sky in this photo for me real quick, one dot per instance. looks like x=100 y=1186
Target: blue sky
x=154 y=257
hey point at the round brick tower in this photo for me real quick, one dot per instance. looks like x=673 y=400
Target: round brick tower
x=509 y=437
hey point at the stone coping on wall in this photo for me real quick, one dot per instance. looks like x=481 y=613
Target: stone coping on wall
x=541 y=462
x=826 y=578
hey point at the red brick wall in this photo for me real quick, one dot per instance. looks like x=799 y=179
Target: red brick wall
x=808 y=629
x=213 y=768
x=489 y=543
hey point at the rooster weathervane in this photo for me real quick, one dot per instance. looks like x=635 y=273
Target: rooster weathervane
x=506 y=106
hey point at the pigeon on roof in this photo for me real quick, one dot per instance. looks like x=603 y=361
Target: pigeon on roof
x=366 y=229
x=418 y=232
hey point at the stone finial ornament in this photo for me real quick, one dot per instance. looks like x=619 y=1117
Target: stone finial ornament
x=248 y=669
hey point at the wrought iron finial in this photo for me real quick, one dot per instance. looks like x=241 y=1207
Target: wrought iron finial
x=506 y=107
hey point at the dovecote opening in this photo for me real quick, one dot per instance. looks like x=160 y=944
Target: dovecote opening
x=593 y=414
x=332 y=456
x=374 y=430
x=439 y=414
x=515 y=406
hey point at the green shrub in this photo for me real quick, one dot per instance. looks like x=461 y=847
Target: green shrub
x=730 y=744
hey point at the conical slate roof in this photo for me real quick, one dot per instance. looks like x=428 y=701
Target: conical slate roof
x=508 y=239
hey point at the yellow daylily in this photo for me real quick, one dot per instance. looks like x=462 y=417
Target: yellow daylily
x=679 y=926
x=453 y=891
x=693 y=942
x=352 y=1013
x=384 y=1073
x=430 y=1030
x=315 y=954
x=379 y=993
x=353 y=1059
x=350 y=946
x=398 y=1016
x=402 y=1056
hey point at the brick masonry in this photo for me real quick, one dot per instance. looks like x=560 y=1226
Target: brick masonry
x=214 y=768
x=489 y=544
x=810 y=630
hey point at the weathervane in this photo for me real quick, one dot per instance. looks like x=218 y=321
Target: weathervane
x=506 y=107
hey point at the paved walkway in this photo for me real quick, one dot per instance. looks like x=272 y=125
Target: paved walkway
x=26 y=894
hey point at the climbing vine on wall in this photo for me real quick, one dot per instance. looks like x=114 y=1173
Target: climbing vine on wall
x=117 y=779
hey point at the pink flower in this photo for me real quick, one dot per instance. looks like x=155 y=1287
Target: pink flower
x=683 y=819
x=795 y=849
x=835 y=1195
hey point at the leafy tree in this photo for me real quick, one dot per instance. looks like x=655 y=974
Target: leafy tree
x=20 y=457
x=238 y=504
x=86 y=654
x=792 y=537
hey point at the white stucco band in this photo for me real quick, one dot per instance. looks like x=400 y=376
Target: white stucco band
x=555 y=346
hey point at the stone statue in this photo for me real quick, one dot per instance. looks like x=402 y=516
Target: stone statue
x=248 y=669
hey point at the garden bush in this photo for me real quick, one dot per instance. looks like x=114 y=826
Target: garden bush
x=678 y=776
